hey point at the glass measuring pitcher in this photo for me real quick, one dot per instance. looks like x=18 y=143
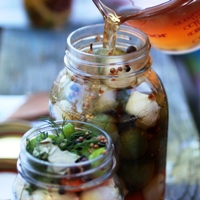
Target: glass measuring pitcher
x=172 y=26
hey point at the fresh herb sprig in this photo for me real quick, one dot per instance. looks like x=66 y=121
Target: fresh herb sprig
x=31 y=144
x=31 y=188
x=80 y=142
x=57 y=128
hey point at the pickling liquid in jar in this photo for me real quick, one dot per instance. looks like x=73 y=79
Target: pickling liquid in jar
x=172 y=26
x=58 y=162
x=117 y=90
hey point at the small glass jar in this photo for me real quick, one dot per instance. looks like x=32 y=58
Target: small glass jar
x=173 y=26
x=123 y=95
x=53 y=180
x=48 y=13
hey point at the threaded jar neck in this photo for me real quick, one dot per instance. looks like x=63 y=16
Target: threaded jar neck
x=91 y=172
x=80 y=62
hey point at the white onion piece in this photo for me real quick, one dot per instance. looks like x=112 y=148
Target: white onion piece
x=122 y=80
x=144 y=108
x=45 y=195
x=104 y=192
x=107 y=100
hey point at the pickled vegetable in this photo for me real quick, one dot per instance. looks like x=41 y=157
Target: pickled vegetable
x=133 y=143
x=65 y=145
x=119 y=92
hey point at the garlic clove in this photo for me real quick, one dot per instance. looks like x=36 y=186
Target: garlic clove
x=64 y=109
x=41 y=194
x=119 y=76
x=107 y=99
x=144 y=108
x=106 y=192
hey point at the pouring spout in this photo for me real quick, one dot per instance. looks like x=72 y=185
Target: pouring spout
x=106 y=11
x=123 y=14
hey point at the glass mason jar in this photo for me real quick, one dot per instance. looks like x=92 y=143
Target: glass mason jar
x=55 y=179
x=48 y=13
x=173 y=26
x=123 y=95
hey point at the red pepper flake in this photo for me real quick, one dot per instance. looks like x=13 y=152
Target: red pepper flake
x=158 y=129
x=101 y=91
x=71 y=182
x=150 y=136
x=151 y=97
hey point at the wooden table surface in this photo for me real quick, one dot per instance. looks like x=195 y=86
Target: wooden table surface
x=31 y=59
x=183 y=155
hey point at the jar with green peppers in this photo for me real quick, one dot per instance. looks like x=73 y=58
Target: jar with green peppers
x=123 y=95
x=66 y=160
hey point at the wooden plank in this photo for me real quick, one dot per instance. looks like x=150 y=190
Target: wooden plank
x=30 y=60
x=183 y=163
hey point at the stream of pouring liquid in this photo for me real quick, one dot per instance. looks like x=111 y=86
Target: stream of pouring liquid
x=112 y=23
x=126 y=12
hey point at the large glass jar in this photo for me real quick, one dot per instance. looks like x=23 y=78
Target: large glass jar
x=123 y=95
x=52 y=173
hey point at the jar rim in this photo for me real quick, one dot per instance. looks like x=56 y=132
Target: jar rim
x=122 y=27
x=97 y=170
x=80 y=62
x=44 y=126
